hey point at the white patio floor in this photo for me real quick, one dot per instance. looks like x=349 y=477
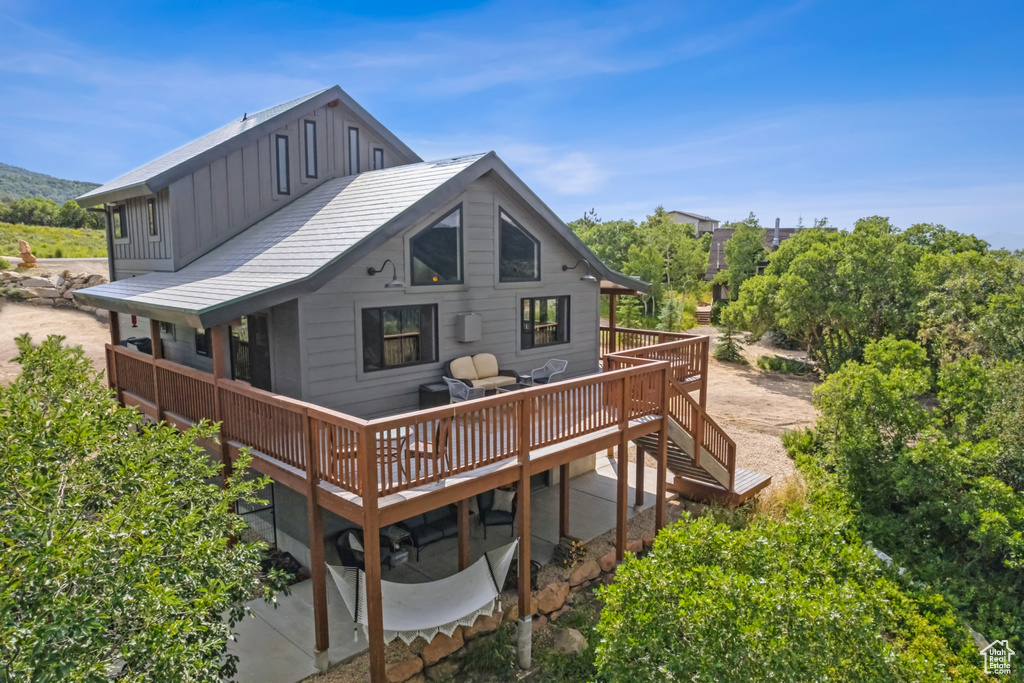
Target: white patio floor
x=276 y=645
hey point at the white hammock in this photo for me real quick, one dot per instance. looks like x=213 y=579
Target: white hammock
x=426 y=609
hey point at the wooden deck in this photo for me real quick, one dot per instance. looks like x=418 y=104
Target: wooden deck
x=378 y=472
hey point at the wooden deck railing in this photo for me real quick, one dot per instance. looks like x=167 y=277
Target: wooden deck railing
x=688 y=365
x=410 y=450
x=628 y=338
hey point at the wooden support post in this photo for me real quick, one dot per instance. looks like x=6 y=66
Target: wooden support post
x=612 y=332
x=318 y=567
x=462 y=509
x=659 y=504
x=525 y=623
x=115 y=340
x=115 y=328
x=704 y=374
x=563 y=500
x=622 y=490
x=371 y=555
x=158 y=352
x=219 y=346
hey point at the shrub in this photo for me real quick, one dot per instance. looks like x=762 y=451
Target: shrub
x=716 y=311
x=791 y=366
x=729 y=349
x=116 y=535
x=795 y=600
x=4 y=264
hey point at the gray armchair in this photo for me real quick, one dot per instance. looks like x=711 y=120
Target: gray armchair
x=551 y=372
x=460 y=391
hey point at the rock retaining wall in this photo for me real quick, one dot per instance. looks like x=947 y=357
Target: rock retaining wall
x=47 y=290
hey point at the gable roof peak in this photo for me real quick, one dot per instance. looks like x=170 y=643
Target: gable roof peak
x=154 y=176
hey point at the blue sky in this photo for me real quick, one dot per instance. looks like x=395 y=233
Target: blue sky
x=913 y=110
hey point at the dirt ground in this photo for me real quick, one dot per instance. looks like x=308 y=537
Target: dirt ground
x=51 y=266
x=80 y=329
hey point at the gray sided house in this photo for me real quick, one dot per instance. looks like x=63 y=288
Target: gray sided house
x=703 y=223
x=346 y=266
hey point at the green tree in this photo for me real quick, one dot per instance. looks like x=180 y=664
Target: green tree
x=71 y=215
x=743 y=251
x=31 y=211
x=117 y=558
x=670 y=319
x=801 y=599
x=728 y=349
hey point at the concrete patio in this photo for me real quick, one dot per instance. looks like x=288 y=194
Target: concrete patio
x=276 y=645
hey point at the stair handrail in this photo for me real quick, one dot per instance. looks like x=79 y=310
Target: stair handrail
x=712 y=437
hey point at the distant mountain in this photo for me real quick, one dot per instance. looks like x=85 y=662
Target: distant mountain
x=16 y=183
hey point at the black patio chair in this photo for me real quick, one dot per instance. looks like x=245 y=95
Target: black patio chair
x=350 y=557
x=490 y=517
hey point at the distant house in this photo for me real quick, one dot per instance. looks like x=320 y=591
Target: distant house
x=716 y=259
x=704 y=223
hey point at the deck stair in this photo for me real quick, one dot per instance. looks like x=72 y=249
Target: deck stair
x=704 y=316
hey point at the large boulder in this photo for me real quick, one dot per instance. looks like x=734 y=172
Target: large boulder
x=552 y=597
x=607 y=561
x=569 y=641
x=483 y=624
x=442 y=671
x=36 y=282
x=442 y=646
x=404 y=670
x=584 y=572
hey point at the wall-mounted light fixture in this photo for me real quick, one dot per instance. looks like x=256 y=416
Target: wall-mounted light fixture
x=395 y=282
x=586 y=278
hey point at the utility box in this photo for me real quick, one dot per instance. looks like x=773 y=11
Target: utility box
x=468 y=327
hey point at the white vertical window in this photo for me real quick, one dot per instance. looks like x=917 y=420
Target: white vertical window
x=310 y=149
x=282 y=164
x=378 y=158
x=353 y=151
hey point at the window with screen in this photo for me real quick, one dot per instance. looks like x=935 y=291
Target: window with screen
x=545 y=321
x=398 y=336
x=518 y=252
x=436 y=253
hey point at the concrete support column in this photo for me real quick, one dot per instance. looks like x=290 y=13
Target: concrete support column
x=524 y=642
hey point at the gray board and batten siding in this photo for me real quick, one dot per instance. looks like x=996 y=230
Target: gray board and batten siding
x=315 y=238
x=331 y=326
x=216 y=202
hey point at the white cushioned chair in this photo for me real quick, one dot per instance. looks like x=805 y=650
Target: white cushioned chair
x=481 y=370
